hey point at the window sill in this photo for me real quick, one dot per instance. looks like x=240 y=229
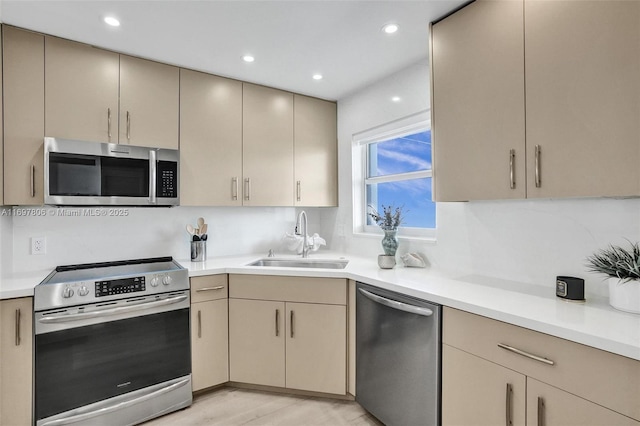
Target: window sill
x=378 y=236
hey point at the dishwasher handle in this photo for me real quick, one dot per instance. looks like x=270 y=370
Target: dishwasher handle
x=394 y=304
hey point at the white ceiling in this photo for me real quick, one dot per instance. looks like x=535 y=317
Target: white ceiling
x=291 y=40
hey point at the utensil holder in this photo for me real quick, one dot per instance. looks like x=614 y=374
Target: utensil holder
x=198 y=251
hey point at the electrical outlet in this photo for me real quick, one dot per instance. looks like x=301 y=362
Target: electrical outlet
x=38 y=245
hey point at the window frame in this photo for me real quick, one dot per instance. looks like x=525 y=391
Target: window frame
x=361 y=142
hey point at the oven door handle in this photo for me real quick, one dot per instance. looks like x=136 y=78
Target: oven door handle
x=112 y=311
x=115 y=407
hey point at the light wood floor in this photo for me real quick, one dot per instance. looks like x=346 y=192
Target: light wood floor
x=230 y=407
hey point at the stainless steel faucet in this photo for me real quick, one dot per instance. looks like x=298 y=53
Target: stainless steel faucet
x=301 y=229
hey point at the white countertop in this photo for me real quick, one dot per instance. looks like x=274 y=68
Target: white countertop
x=593 y=323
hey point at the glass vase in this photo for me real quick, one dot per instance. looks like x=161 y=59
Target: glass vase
x=390 y=242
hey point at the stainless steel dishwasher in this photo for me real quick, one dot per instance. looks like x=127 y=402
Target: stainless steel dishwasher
x=397 y=357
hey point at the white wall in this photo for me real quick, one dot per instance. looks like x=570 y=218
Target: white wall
x=529 y=241
x=145 y=232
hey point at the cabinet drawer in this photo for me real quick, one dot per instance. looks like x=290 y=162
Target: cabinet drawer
x=209 y=287
x=599 y=376
x=332 y=291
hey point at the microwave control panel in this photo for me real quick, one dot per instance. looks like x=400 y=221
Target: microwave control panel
x=126 y=285
x=167 y=180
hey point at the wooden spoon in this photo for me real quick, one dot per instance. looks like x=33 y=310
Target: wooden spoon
x=203 y=230
x=200 y=223
x=191 y=230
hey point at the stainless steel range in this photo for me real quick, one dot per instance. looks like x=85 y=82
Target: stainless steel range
x=112 y=343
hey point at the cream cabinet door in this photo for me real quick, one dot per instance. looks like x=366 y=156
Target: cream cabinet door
x=316 y=152
x=256 y=342
x=81 y=91
x=316 y=347
x=477 y=392
x=583 y=98
x=210 y=140
x=16 y=365
x=149 y=103
x=23 y=85
x=478 y=117
x=550 y=406
x=209 y=343
x=267 y=146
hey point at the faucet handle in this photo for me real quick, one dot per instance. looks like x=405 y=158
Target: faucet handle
x=271 y=253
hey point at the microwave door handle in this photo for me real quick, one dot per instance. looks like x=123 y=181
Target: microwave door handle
x=153 y=170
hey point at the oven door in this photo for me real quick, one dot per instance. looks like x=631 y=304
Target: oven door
x=88 y=354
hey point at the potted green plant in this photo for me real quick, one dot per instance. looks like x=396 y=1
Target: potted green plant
x=622 y=266
x=388 y=221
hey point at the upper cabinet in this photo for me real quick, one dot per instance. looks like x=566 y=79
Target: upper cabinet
x=568 y=70
x=23 y=86
x=267 y=146
x=315 y=152
x=97 y=95
x=478 y=103
x=210 y=140
x=81 y=91
x=149 y=103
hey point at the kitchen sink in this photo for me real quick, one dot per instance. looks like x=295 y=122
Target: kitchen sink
x=301 y=263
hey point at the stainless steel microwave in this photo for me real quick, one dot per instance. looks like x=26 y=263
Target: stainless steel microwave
x=79 y=173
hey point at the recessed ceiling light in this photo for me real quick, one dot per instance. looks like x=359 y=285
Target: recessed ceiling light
x=390 y=28
x=396 y=99
x=317 y=76
x=248 y=58
x=112 y=21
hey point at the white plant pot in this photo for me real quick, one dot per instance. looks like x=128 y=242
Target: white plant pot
x=624 y=296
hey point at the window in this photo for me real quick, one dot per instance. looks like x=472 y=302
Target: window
x=396 y=170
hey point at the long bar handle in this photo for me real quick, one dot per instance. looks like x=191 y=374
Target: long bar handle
x=394 y=304
x=234 y=188
x=18 y=315
x=119 y=406
x=109 y=123
x=541 y=413
x=277 y=322
x=199 y=324
x=33 y=180
x=247 y=187
x=298 y=192
x=525 y=354
x=219 y=287
x=113 y=311
x=291 y=321
x=538 y=152
x=128 y=127
x=508 y=404
x=512 y=167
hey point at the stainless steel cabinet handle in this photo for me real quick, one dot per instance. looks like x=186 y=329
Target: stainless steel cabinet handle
x=33 y=181
x=109 y=123
x=508 y=403
x=220 y=287
x=247 y=187
x=18 y=315
x=541 y=411
x=298 y=190
x=538 y=152
x=128 y=127
x=199 y=324
x=394 y=304
x=512 y=165
x=74 y=418
x=234 y=189
x=277 y=322
x=291 y=320
x=526 y=354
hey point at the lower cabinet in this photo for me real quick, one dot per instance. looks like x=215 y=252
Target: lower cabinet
x=209 y=331
x=497 y=373
x=288 y=332
x=16 y=361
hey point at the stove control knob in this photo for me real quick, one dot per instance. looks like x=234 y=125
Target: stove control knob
x=166 y=280
x=67 y=292
x=155 y=281
x=83 y=291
